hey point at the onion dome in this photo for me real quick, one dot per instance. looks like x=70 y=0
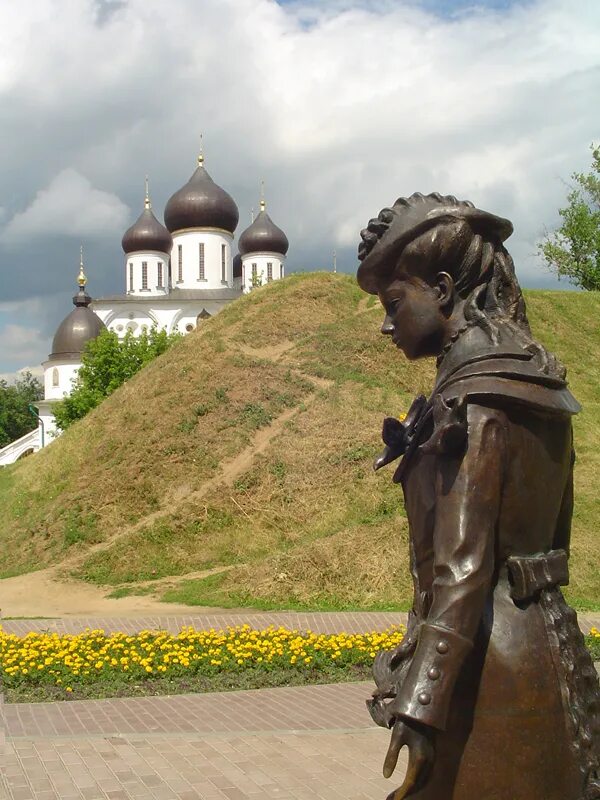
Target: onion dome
x=201 y=204
x=147 y=233
x=237 y=266
x=81 y=325
x=263 y=236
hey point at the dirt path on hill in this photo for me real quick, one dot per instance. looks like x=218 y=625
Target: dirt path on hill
x=43 y=594
x=46 y=593
x=270 y=353
x=225 y=476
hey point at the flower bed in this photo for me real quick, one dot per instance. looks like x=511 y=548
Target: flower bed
x=93 y=656
x=593 y=643
x=42 y=666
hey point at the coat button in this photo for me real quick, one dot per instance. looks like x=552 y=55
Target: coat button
x=442 y=646
x=433 y=673
x=424 y=698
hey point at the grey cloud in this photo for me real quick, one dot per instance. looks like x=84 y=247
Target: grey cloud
x=340 y=116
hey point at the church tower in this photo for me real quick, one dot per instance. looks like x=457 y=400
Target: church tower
x=202 y=217
x=147 y=245
x=63 y=363
x=263 y=248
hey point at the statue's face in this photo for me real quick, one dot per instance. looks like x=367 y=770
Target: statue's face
x=414 y=315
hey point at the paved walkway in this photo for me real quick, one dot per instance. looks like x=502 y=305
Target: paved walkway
x=323 y=622
x=294 y=743
x=301 y=743
x=319 y=622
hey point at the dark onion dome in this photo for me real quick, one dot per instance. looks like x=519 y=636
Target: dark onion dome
x=147 y=234
x=237 y=266
x=263 y=236
x=201 y=204
x=76 y=329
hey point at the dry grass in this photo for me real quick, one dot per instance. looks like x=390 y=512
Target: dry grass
x=233 y=450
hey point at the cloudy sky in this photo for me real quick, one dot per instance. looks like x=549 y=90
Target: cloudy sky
x=341 y=106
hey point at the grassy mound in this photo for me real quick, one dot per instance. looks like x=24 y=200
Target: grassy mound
x=246 y=451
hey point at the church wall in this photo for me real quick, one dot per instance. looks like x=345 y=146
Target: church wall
x=131 y=317
x=262 y=261
x=189 y=241
x=170 y=316
x=134 y=273
x=58 y=378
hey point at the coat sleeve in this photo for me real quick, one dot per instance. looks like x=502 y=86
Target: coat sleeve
x=468 y=494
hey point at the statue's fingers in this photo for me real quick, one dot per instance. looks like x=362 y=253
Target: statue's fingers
x=396 y=743
x=416 y=764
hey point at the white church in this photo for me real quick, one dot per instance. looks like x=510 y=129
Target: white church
x=176 y=275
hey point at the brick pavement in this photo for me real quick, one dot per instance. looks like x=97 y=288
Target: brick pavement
x=319 y=622
x=301 y=743
x=295 y=743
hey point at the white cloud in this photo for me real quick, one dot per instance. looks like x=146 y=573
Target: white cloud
x=10 y=377
x=68 y=206
x=21 y=345
x=341 y=107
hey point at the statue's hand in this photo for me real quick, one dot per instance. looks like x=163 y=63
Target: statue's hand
x=419 y=740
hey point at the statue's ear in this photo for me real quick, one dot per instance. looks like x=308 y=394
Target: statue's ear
x=445 y=287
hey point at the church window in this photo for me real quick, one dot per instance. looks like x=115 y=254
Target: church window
x=223 y=269
x=160 y=282
x=179 y=263
x=144 y=274
x=201 y=275
x=189 y=327
x=269 y=271
x=254 y=281
x=131 y=276
x=55 y=380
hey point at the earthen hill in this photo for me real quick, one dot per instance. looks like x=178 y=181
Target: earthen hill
x=236 y=468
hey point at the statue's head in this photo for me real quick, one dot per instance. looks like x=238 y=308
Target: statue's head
x=438 y=263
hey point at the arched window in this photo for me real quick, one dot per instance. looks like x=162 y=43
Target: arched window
x=55 y=377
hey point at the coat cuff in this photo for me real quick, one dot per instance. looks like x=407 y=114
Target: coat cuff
x=429 y=683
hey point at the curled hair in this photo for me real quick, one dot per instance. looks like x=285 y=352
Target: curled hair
x=484 y=278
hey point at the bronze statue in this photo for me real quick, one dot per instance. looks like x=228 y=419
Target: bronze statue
x=492 y=689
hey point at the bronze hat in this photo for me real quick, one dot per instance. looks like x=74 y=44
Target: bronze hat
x=384 y=238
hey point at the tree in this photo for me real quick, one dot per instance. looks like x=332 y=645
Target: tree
x=15 y=417
x=573 y=251
x=256 y=280
x=107 y=362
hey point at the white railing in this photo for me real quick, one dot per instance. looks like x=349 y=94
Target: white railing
x=30 y=442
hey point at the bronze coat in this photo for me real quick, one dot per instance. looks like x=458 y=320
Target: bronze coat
x=494 y=660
